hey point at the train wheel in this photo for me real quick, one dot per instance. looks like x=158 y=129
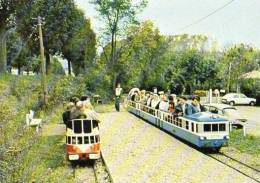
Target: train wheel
x=216 y=149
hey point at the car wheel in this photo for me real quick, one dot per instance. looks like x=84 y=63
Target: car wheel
x=252 y=103
x=232 y=103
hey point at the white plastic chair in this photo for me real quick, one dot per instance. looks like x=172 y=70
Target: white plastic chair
x=30 y=121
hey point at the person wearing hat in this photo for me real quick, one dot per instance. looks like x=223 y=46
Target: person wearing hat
x=183 y=108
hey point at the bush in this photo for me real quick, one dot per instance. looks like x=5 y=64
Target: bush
x=201 y=93
x=251 y=88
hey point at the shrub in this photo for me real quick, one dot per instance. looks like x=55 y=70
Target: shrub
x=251 y=88
x=201 y=93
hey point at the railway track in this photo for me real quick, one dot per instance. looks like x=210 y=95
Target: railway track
x=90 y=172
x=237 y=165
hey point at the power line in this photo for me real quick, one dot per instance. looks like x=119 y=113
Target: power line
x=205 y=17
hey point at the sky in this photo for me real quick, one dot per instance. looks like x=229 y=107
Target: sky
x=238 y=22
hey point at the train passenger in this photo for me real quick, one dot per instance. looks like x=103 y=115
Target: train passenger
x=83 y=109
x=171 y=104
x=183 y=108
x=135 y=97
x=143 y=97
x=155 y=101
x=164 y=103
x=149 y=99
x=196 y=105
x=66 y=114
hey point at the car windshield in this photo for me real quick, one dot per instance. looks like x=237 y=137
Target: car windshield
x=229 y=111
x=243 y=96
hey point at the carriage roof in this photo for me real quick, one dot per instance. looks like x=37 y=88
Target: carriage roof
x=206 y=117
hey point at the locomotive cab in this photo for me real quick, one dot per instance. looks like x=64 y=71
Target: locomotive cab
x=82 y=139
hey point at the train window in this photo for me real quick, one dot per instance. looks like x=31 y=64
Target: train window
x=69 y=140
x=87 y=126
x=69 y=124
x=180 y=122
x=192 y=127
x=222 y=127
x=77 y=126
x=197 y=128
x=214 y=127
x=171 y=119
x=187 y=125
x=97 y=138
x=73 y=140
x=207 y=127
x=79 y=140
x=95 y=123
x=86 y=140
x=92 y=140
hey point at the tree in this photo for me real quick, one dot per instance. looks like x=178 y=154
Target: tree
x=237 y=60
x=62 y=21
x=22 y=59
x=81 y=50
x=7 y=10
x=118 y=15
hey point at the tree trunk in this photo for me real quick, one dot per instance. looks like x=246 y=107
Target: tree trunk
x=112 y=50
x=19 y=70
x=2 y=51
x=69 y=67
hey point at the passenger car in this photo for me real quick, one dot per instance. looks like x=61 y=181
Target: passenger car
x=204 y=130
x=230 y=112
x=237 y=98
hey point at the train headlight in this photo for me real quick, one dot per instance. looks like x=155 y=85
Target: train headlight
x=203 y=138
x=226 y=137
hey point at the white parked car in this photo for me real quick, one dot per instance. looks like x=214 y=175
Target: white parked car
x=237 y=98
x=230 y=112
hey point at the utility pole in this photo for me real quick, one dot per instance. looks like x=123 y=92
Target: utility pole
x=42 y=58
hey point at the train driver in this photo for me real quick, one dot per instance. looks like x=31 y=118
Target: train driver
x=183 y=108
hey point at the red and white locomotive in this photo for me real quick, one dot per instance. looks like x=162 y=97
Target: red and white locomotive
x=82 y=139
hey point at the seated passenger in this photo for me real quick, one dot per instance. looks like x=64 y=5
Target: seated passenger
x=196 y=105
x=155 y=101
x=171 y=104
x=135 y=97
x=83 y=110
x=164 y=103
x=183 y=108
x=149 y=100
x=143 y=97
x=66 y=114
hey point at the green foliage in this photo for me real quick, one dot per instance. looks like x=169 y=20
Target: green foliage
x=65 y=29
x=7 y=10
x=81 y=50
x=236 y=61
x=249 y=144
x=65 y=88
x=19 y=150
x=251 y=87
x=201 y=93
x=56 y=67
x=118 y=16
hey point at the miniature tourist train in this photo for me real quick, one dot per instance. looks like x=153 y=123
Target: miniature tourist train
x=202 y=129
x=82 y=139
x=82 y=130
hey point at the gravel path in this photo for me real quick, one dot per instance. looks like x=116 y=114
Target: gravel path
x=135 y=152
